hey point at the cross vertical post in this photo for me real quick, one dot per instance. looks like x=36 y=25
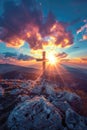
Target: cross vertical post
x=44 y=60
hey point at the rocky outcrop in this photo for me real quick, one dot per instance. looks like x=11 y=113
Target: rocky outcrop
x=35 y=114
x=54 y=112
x=65 y=100
x=40 y=107
x=74 y=121
x=62 y=100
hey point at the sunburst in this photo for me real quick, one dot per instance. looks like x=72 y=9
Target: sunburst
x=51 y=58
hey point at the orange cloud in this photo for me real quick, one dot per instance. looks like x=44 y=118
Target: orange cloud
x=84 y=37
x=15 y=43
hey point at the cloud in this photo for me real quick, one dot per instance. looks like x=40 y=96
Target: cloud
x=23 y=57
x=84 y=59
x=25 y=22
x=84 y=37
x=9 y=54
x=16 y=43
x=14 y=61
x=81 y=29
x=62 y=55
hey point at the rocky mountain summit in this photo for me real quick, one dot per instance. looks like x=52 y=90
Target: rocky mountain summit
x=40 y=106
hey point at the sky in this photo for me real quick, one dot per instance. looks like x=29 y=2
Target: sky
x=27 y=27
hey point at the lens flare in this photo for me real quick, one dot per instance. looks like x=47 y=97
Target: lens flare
x=52 y=58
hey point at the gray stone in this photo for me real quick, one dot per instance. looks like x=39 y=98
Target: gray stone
x=74 y=121
x=1 y=107
x=24 y=97
x=61 y=105
x=43 y=89
x=15 y=91
x=35 y=114
x=24 y=85
x=1 y=91
x=65 y=128
x=65 y=100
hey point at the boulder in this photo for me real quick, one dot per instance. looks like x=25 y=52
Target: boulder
x=74 y=121
x=24 y=97
x=43 y=89
x=24 y=85
x=35 y=114
x=15 y=91
x=1 y=107
x=74 y=100
x=65 y=100
x=1 y=91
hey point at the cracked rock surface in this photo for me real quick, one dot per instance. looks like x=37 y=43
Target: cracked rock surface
x=35 y=114
x=49 y=110
x=39 y=107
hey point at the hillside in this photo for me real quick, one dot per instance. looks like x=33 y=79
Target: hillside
x=8 y=71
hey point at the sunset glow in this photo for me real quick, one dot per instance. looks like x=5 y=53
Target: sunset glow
x=51 y=58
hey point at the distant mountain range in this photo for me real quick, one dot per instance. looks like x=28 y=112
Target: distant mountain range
x=9 y=71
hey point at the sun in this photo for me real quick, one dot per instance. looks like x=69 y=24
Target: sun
x=51 y=58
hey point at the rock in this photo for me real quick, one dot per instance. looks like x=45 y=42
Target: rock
x=1 y=107
x=15 y=91
x=62 y=100
x=24 y=85
x=65 y=128
x=85 y=119
x=36 y=90
x=65 y=100
x=1 y=91
x=45 y=89
x=35 y=114
x=74 y=121
x=62 y=105
x=49 y=90
x=22 y=98
x=74 y=100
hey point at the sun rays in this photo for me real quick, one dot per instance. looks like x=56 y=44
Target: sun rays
x=52 y=59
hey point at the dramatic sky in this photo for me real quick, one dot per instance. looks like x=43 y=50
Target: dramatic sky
x=29 y=26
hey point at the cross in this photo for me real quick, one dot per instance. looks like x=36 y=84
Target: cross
x=44 y=60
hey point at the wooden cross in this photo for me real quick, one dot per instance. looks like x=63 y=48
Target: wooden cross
x=44 y=60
